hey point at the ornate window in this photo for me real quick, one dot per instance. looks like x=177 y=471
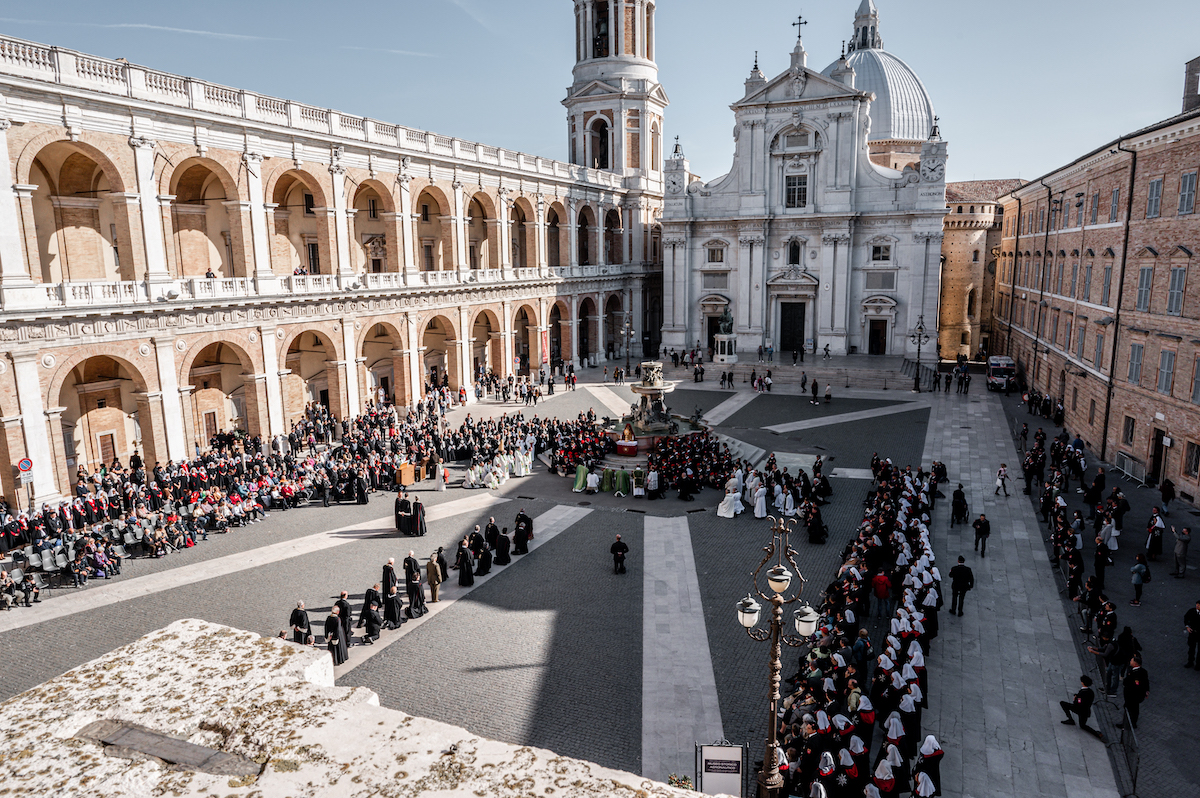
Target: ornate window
x=796 y=191
x=794 y=253
x=881 y=252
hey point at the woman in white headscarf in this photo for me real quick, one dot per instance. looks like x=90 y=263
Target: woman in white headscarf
x=893 y=730
x=884 y=780
x=850 y=778
x=826 y=774
x=929 y=763
x=924 y=787
x=910 y=716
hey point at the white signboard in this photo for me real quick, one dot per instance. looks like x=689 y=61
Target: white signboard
x=720 y=770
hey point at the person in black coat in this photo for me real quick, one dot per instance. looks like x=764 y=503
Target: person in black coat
x=618 y=550
x=389 y=580
x=374 y=595
x=343 y=606
x=441 y=561
x=374 y=623
x=521 y=537
x=1081 y=705
x=335 y=637
x=466 y=574
x=403 y=513
x=418 y=517
x=412 y=586
x=301 y=626
x=962 y=579
x=503 y=544
x=393 y=609
x=485 y=562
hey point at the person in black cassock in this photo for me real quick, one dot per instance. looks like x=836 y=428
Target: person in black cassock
x=300 y=623
x=335 y=638
x=490 y=533
x=418 y=517
x=403 y=515
x=522 y=533
x=374 y=623
x=389 y=579
x=343 y=605
x=393 y=609
x=412 y=585
x=360 y=486
x=619 y=550
x=372 y=596
x=503 y=544
x=522 y=516
x=441 y=561
x=485 y=562
x=462 y=562
x=476 y=542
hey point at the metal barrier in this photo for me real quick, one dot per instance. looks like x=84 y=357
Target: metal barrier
x=1133 y=469
x=1129 y=748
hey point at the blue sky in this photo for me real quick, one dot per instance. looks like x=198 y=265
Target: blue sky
x=1021 y=87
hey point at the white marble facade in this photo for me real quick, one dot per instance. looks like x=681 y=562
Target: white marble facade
x=807 y=238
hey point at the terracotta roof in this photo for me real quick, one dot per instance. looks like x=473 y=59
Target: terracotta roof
x=980 y=190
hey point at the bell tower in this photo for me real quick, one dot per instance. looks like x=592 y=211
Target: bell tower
x=615 y=103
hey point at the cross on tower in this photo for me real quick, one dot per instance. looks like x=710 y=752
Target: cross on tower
x=798 y=25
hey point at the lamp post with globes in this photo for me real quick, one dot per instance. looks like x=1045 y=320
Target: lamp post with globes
x=919 y=339
x=627 y=333
x=804 y=619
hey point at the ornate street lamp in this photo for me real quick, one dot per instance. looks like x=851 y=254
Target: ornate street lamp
x=804 y=620
x=919 y=338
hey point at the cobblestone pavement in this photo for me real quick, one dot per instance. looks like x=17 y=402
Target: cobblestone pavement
x=1166 y=733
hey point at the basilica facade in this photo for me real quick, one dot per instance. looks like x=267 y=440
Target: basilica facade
x=827 y=229
x=179 y=258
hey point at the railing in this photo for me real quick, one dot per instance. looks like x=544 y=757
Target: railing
x=215 y=287
x=438 y=278
x=311 y=283
x=484 y=276
x=385 y=280
x=525 y=273
x=1131 y=467
x=121 y=292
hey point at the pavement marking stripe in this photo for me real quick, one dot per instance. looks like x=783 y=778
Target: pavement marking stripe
x=116 y=592
x=546 y=527
x=730 y=406
x=677 y=667
x=609 y=398
x=858 y=415
x=853 y=473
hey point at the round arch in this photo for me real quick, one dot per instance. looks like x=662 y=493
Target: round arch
x=558 y=241
x=375 y=235
x=521 y=220
x=384 y=378
x=433 y=240
x=585 y=222
x=439 y=348
x=486 y=342
x=310 y=356
x=203 y=233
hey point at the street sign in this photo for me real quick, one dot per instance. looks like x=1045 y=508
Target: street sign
x=25 y=464
x=26 y=477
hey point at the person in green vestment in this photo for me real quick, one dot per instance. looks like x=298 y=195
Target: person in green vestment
x=606 y=482
x=581 y=473
x=622 y=486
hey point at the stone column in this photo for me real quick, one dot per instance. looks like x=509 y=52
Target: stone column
x=601 y=230
x=353 y=399
x=407 y=242
x=458 y=221
x=58 y=446
x=148 y=207
x=272 y=375
x=506 y=335
x=638 y=315
x=573 y=338
x=189 y=417
x=572 y=237
x=12 y=449
x=176 y=439
x=416 y=370
x=34 y=423
x=341 y=225
x=504 y=208
x=17 y=289
x=465 y=376
x=261 y=271
x=541 y=255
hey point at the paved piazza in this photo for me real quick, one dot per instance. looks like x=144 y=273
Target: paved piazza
x=630 y=670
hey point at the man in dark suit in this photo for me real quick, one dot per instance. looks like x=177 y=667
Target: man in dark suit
x=1081 y=706
x=962 y=579
x=983 y=530
x=618 y=550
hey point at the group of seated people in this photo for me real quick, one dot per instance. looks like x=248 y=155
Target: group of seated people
x=492 y=474
x=844 y=690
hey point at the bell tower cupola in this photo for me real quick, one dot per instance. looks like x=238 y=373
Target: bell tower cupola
x=615 y=103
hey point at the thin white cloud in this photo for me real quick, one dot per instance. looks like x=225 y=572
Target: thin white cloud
x=468 y=9
x=412 y=53
x=142 y=26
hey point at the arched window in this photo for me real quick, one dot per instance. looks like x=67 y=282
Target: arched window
x=600 y=30
x=971 y=303
x=972 y=209
x=794 y=253
x=975 y=256
x=599 y=145
x=959 y=209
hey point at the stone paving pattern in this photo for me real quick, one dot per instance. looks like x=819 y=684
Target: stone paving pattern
x=550 y=651
x=1166 y=732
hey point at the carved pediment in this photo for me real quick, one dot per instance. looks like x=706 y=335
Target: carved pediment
x=799 y=84
x=793 y=275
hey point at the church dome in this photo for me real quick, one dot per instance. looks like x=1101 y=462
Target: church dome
x=902 y=107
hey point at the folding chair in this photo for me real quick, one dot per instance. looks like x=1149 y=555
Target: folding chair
x=40 y=583
x=33 y=560
x=17 y=575
x=120 y=552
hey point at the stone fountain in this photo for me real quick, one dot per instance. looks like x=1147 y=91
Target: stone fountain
x=649 y=417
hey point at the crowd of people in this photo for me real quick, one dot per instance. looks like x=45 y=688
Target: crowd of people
x=384 y=607
x=846 y=697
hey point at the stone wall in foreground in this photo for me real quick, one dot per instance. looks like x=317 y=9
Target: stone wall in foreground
x=274 y=705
